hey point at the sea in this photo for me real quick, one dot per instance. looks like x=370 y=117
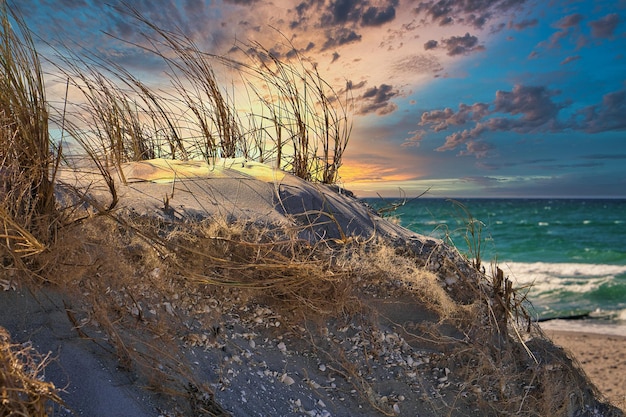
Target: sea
x=568 y=256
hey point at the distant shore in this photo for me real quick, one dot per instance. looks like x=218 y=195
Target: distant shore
x=602 y=357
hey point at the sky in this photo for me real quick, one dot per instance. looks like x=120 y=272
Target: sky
x=463 y=98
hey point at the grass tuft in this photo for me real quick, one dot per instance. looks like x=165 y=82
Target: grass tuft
x=27 y=164
x=23 y=391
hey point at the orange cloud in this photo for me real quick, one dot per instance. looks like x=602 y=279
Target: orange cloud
x=354 y=171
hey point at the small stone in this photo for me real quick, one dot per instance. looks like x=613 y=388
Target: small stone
x=322 y=367
x=168 y=308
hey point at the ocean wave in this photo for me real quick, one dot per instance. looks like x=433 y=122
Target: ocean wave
x=528 y=271
x=549 y=278
x=585 y=326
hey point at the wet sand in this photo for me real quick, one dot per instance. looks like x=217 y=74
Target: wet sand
x=603 y=358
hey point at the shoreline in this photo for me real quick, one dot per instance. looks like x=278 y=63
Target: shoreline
x=602 y=356
x=586 y=326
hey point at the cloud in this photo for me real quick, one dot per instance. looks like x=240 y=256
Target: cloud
x=478 y=149
x=242 y=2
x=351 y=86
x=524 y=24
x=569 y=28
x=475 y=13
x=375 y=16
x=569 y=21
x=609 y=115
x=605 y=27
x=524 y=109
x=415 y=139
x=335 y=57
x=418 y=63
x=378 y=100
x=570 y=59
x=457 y=139
x=341 y=12
x=605 y=156
x=442 y=119
x=357 y=12
x=340 y=36
x=462 y=45
x=534 y=104
x=431 y=44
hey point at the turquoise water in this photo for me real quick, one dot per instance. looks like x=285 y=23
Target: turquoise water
x=573 y=252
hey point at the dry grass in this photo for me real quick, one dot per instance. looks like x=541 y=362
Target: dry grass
x=307 y=117
x=27 y=167
x=23 y=391
x=296 y=120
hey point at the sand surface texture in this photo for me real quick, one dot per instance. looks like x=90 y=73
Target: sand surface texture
x=602 y=357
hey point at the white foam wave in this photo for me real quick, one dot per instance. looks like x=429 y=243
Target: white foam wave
x=585 y=326
x=549 y=277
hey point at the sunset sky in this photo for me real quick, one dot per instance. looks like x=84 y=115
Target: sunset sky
x=470 y=98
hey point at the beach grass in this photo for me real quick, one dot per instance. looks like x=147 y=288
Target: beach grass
x=28 y=164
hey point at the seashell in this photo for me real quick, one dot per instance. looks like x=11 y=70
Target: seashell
x=281 y=346
x=252 y=344
x=314 y=384
x=322 y=367
x=286 y=379
x=321 y=403
x=396 y=408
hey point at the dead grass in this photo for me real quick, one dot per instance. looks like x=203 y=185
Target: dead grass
x=23 y=391
x=27 y=165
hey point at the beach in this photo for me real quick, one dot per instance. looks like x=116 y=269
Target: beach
x=602 y=357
